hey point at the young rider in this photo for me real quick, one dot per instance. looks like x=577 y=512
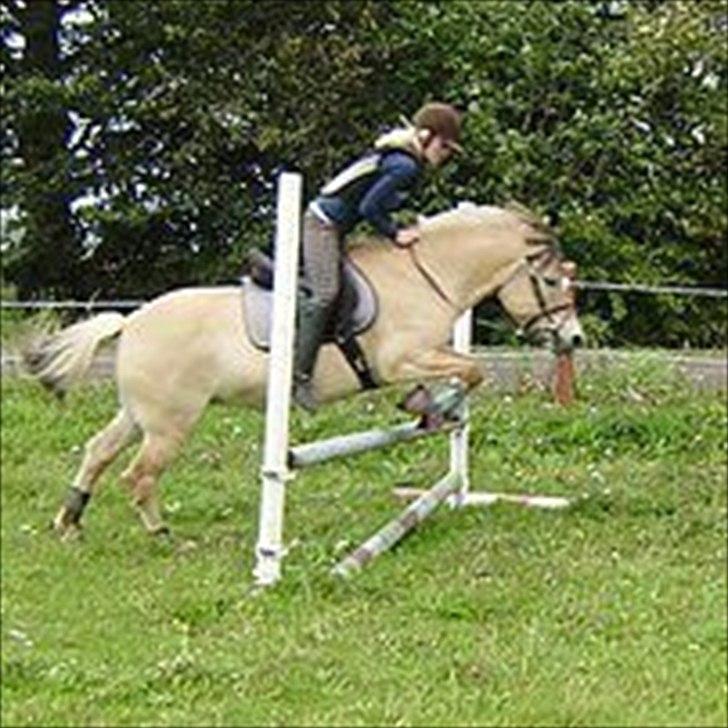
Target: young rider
x=368 y=189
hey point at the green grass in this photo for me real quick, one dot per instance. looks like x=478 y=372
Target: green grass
x=611 y=613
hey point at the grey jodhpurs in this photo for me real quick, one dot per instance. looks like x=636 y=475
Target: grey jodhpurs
x=321 y=258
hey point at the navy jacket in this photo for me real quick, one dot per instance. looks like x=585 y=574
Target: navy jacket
x=370 y=189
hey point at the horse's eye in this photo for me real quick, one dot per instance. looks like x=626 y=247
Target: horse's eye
x=551 y=281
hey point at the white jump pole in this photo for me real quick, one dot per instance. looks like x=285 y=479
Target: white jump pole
x=321 y=451
x=398 y=527
x=462 y=340
x=454 y=488
x=274 y=472
x=279 y=460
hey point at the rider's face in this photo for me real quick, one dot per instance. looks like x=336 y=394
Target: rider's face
x=438 y=150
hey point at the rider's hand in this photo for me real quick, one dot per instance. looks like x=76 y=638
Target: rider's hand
x=406 y=237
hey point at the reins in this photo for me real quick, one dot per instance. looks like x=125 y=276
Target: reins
x=427 y=275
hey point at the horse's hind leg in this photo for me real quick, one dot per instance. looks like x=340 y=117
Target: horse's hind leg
x=156 y=452
x=100 y=451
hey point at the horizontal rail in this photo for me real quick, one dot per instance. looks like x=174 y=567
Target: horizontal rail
x=311 y=453
x=638 y=288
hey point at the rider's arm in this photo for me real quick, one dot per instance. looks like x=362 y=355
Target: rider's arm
x=397 y=172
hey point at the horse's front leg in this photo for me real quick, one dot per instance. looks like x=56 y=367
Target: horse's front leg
x=462 y=372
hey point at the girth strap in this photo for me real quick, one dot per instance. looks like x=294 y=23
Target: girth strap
x=357 y=361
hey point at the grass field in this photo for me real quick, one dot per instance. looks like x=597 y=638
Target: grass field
x=611 y=613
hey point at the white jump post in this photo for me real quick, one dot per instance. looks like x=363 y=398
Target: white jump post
x=274 y=472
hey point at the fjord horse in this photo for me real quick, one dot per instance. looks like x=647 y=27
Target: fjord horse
x=189 y=347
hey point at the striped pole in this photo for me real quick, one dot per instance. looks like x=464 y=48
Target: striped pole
x=398 y=527
x=488 y=499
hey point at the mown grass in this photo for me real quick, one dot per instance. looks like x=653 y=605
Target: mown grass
x=611 y=613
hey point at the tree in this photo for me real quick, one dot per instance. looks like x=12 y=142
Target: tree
x=170 y=121
x=42 y=129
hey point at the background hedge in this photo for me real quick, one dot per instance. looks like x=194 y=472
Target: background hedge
x=141 y=141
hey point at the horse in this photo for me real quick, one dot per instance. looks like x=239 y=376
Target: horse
x=189 y=347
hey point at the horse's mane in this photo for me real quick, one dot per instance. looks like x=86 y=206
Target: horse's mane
x=542 y=231
x=538 y=231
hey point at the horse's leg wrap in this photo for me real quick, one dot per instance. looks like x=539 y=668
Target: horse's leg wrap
x=417 y=400
x=448 y=400
x=444 y=403
x=76 y=501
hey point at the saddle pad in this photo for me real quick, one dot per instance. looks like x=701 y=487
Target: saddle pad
x=258 y=307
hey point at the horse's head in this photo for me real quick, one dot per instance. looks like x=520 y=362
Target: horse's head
x=484 y=252
x=537 y=296
x=475 y=252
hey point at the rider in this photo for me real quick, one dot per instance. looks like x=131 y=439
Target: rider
x=368 y=189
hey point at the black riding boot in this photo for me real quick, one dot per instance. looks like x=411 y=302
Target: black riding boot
x=312 y=317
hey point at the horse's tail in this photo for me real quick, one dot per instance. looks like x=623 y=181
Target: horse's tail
x=61 y=359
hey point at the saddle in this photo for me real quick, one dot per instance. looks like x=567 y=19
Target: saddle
x=353 y=313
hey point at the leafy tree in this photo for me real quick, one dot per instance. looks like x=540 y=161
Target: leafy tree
x=167 y=124
x=608 y=117
x=37 y=133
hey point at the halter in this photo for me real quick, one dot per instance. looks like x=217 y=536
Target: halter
x=535 y=277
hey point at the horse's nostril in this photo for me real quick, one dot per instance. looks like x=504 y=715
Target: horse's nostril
x=577 y=340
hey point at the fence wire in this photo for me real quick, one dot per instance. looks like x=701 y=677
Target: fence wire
x=580 y=285
x=638 y=288
x=87 y=305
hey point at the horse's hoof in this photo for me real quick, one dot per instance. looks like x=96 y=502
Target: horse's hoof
x=417 y=400
x=67 y=534
x=163 y=532
x=64 y=526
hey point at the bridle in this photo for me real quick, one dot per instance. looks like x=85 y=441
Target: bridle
x=537 y=280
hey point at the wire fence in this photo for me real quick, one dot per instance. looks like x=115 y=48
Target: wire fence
x=579 y=285
x=638 y=288
x=67 y=305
